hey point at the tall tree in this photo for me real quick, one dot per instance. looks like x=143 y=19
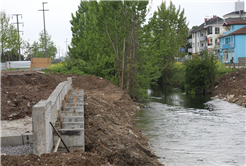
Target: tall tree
x=169 y=32
x=51 y=48
x=9 y=40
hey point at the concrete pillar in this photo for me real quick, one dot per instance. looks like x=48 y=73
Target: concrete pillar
x=39 y=131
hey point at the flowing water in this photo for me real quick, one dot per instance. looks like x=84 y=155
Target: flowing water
x=188 y=130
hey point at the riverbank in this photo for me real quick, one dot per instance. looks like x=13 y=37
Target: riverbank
x=110 y=135
x=232 y=88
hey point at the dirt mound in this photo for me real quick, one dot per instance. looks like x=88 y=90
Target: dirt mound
x=20 y=92
x=75 y=158
x=109 y=130
x=232 y=87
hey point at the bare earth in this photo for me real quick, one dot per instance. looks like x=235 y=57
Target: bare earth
x=232 y=88
x=110 y=136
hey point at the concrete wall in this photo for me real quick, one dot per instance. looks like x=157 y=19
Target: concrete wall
x=46 y=111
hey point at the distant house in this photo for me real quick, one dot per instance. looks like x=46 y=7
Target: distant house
x=208 y=34
x=233 y=42
x=205 y=36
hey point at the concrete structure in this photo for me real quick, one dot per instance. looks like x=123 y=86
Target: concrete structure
x=233 y=42
x=72 y=131
x=46 y=111
x=15 y=139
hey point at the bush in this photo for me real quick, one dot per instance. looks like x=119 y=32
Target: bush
x=177 y=74
x=222 y=70
x=200 y=73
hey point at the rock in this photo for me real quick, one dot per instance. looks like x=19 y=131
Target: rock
x=235 y=100
x=216 y=87
x=12 y=115
x=28 y=104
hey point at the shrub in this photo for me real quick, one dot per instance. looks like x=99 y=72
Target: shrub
x=200 y=73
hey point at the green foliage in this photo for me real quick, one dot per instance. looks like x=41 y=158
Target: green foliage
x=169 y=32
x=200 y=73
x=9 y=39
x=177 y=74
x=222 y=69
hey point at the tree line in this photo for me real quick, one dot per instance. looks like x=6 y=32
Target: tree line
x=114 y=40
x=10 y=43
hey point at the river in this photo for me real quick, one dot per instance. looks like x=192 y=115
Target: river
x=189 y=130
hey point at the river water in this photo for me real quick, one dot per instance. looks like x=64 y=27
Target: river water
x=188 y=130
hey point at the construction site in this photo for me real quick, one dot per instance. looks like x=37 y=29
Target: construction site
x=68 y=120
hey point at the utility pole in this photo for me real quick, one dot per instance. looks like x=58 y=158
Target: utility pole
x=66 y=47
x=44 y=27
x=2 y=40
x=18 y=31
x=59 y=53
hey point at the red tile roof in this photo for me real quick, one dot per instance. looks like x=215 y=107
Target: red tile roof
x=241 y=31
x=236 y=22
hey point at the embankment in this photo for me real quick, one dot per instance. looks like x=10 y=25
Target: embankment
x=110 y=136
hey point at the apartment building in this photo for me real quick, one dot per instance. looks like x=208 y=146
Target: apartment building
x=205 y=37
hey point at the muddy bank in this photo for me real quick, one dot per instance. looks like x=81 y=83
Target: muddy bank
x=110 y=136
x=232 y=88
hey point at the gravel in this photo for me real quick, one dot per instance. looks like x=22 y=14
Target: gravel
x=17 y=150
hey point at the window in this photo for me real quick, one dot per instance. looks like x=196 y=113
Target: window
x=210 y=30
x=202 y=44
x=201 y=34
x=217 y=30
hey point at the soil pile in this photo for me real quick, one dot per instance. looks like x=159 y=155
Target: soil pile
x=19 y=92
x=232 y=88
x=110 y=136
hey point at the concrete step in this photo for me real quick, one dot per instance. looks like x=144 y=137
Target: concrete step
x=72 y=137
x=71 y=125
x=74 y=108
x=79 y=101
x=73 y=118
x=78 y=96
x=78 y=105
x=71 y=113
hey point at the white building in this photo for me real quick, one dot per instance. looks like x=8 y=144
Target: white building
x=205 y=37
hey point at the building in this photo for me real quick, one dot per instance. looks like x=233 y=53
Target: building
x=205 y=37
x=233 y=42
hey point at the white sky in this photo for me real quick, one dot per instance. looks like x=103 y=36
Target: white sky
x=57 y=19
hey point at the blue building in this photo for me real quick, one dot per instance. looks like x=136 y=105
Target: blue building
x=233 y=42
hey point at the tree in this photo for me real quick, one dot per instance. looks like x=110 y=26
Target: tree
x=9 y=39
x=51 y=48
x=169 y=32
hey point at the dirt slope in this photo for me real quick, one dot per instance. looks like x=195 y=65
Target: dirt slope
x=232 y=87
x=110 y=136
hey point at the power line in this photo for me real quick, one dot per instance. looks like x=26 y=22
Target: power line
x=44 y=27
x=18 y=31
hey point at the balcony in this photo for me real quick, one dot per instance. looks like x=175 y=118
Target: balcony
x=190 y=40
x=228 y=45
x=190 y=50
x=202 y=38
x=203 y=48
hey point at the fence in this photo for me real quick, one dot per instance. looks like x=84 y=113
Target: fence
x=34 y=63
x=16 y=64
x=40 y=62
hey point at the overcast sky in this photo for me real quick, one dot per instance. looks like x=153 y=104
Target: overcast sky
x=57 y=19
